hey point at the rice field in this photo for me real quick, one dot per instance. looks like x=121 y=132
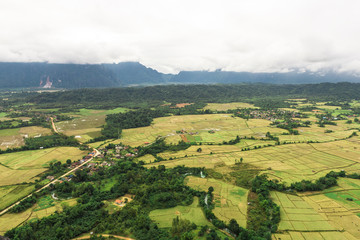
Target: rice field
x=211 y=128
x=19 y=167
x=230 y=201
x=321 y=215
x=87 y=123
x=12 y=193
x=298 y=215
x=288 y=163
x=11 y=220
x=227 y=106
x=193 y=213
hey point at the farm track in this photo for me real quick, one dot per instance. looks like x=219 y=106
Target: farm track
x=53 y=125
x=52 y=182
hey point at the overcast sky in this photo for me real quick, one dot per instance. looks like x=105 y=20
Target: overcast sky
x=168 y=35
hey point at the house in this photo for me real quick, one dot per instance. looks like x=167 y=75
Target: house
x=74 y=164
x=50 y=178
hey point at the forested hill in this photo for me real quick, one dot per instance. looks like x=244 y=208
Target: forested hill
x=138 y=96
x=273 y=78
x=54 y=75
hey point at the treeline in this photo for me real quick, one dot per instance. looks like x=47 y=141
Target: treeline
x=156 y=95
x=160 y=146
x=17 y=123
x=55 y=140
x=116 y=122
x=23 y=205
x=132 y=119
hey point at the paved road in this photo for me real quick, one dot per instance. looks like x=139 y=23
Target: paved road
x=52 y=182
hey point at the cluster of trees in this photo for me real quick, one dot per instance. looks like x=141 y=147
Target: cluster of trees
x=290 y=124
x=132 y=119
x=34 y=121
x=271 y=211
x=160 y=146
x=51 y=141
x=23 y=205
x=233 y=141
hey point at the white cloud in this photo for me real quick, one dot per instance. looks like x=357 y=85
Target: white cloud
x=169 y=35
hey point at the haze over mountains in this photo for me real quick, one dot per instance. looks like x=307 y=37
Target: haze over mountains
x=53 y=75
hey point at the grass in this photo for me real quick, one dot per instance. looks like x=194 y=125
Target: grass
x=19 y=167
x=230 y=200
x=193 y=213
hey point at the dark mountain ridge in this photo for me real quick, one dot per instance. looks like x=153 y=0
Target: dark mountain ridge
x=56 y=75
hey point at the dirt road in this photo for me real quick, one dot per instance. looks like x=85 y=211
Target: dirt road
x=53 y=125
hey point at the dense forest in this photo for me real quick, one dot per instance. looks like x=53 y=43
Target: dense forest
x=153 y=96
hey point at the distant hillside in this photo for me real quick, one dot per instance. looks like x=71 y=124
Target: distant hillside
x=273 y=78
x=54 y=75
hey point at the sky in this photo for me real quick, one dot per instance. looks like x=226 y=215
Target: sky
x=171 y=36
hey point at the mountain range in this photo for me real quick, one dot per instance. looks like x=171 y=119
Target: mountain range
x=56 y=75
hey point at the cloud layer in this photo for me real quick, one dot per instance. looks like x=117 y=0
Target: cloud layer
x=169 y=35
